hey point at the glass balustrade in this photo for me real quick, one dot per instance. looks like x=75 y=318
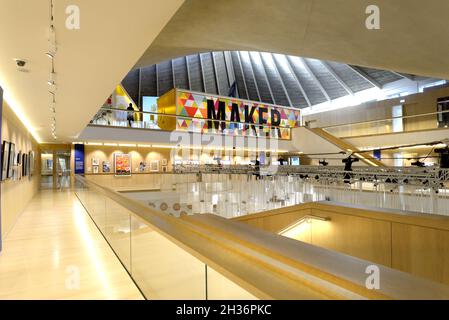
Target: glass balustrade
x=427 y=121
x=112 y=117
x=159 y=266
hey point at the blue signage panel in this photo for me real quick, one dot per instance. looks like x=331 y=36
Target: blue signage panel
x=79 y=158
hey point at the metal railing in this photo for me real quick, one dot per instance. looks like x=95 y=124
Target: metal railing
x=430 y=176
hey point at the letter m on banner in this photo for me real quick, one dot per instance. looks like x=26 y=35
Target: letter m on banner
x=218 y=114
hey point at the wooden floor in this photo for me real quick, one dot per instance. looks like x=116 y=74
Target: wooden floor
x=56 y=252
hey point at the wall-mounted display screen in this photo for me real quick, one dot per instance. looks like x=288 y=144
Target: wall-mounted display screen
x=294 y=161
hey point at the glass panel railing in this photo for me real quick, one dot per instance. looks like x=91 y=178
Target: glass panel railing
x=426 y=121
x=207 y=257
x=159 y=266
x=162 y=269
x=112 y=117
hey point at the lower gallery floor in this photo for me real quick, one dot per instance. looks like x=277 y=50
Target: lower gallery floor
x=55 y=251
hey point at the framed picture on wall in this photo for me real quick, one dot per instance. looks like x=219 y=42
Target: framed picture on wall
x=5 y=159
x=24 y=164
x=49 y=164
x=19 y=165
x=163 y=162
x=12 y=151
x=31 y=155
x=122 y=164
x=106 y=166
x=95 y=169
x=154 y=166
x=95 y=161
x=164 y=169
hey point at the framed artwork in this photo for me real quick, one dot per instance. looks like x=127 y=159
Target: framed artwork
x=5 y=159
x=122 y=164
x=95 y=161
x=31 y=155
x=163 y=162
x=154 y=166
x=95 y=169
x=12 y=153
x=164 y=169
x=50 y=164
x=24 y=164
x=106 y=166
x=19 y=165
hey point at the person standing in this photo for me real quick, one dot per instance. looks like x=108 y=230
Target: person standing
x=130 y=116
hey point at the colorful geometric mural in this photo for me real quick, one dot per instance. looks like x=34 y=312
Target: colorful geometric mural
x=241 y=117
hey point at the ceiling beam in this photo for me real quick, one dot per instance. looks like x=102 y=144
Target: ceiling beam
x=214 y=64
x=254 y=76
x=243 y=74
x=203 y=77
x=281 y=80
x=230 y=71
x=366 y=76
x=266 y=77
x=188 y=72
x=340 y=80
x=301 y=88
x=173 y=72
x=312 y=74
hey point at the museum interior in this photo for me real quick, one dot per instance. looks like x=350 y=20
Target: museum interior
x=208 y=150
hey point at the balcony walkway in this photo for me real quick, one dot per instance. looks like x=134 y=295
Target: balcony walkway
x=53 y=245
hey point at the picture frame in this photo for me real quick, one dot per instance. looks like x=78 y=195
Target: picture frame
x=24 y=164
x=95 y=169
x=31 y=156
x=19 y=165
x=95 y=161
x=164 y=162
x=106 y=167
x=5 y=159
x=164 y=169
x=122 y=164
x=28 y=164
x=154 y=166
x=12 y=148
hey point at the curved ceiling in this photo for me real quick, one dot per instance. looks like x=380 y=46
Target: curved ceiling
x=412 y=37
x=272 y=78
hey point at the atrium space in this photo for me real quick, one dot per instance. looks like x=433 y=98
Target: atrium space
x=224 y=150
